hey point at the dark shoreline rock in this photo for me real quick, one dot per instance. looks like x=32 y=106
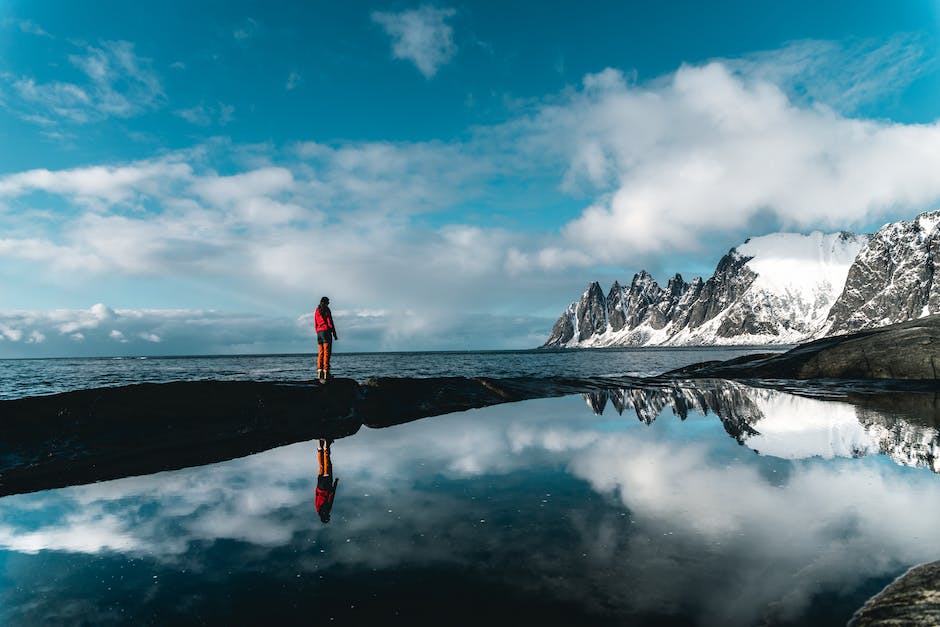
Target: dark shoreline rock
x=911 y=600
x=905 y=351
x=93 y=435
x=106 y=433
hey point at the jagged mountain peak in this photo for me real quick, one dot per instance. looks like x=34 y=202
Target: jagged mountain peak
x=780 y=288
x=770 y=288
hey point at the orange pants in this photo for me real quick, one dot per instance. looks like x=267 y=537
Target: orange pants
x=323 y=355
x=323 y=457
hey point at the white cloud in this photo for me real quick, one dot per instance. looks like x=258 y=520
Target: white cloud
x=118 y=84
x=99 y=186
x=26 y=26
x=708 y=152
x=222 y=190
x=421 y=36
x=206 y=115
x=10 y=333
x=841 y=76
x=294 y=80
x=248 y=29
x=36 y=337
x=195 y=115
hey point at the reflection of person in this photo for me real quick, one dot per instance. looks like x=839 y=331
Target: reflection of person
x=326 y=333
x=326 y=485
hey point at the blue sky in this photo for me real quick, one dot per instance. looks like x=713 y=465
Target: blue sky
x=192 y=177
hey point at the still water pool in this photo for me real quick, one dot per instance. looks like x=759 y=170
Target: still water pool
x=757 y=507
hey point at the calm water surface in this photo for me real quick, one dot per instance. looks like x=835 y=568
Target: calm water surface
x=759 y=507
x=28 y=377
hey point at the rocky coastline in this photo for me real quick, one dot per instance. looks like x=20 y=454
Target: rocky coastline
x=907 y=351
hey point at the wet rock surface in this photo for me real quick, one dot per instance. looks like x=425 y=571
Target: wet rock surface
x=911 y=600
x=107 y=433
x=904 y=351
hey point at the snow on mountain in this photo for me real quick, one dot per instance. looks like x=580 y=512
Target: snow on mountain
x=774 y=289
x=807 y=271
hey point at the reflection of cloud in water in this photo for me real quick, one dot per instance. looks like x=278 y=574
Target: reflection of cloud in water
x=823 y=526
x=691 y=522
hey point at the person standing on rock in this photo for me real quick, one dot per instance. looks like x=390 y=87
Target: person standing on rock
x=326 y=484
x=326 y=333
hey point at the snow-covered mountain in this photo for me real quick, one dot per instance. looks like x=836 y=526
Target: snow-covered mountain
x=782 y=288
x=772 y=289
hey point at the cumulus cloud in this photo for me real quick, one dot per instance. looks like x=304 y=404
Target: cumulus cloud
x=118 y=83
x=714 y=152
x=421 y=36
x=100 y=186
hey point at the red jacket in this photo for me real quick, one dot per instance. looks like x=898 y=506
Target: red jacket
x=325 y=497
x=324 y=323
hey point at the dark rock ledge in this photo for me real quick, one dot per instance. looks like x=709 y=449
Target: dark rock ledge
x=911 y=600
x=905 y=351
x=92 y=435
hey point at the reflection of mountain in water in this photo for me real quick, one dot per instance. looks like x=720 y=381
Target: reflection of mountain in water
x=903 y=426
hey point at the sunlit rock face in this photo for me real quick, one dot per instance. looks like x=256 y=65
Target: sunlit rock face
x=892 y=279
x=777 y=423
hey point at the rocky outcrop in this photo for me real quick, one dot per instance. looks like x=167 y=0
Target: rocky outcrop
x=911 y=600
x=584 y=318
x=907 y=351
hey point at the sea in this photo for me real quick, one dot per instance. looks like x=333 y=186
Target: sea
x=694 y=503
x=31 y=377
